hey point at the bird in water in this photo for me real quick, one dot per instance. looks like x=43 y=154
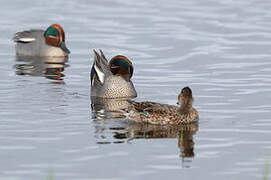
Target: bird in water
x=37 y=42
x=163 y=114
x=112 y=79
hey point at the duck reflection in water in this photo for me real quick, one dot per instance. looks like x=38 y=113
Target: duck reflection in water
x=48 y=67
x=121 y=131
x=108 y=108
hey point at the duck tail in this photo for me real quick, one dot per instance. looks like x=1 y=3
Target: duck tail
x=100 y=67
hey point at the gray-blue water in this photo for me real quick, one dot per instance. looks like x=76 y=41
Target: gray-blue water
x=222 y=50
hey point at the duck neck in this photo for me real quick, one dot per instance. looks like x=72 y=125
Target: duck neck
x=186 y=106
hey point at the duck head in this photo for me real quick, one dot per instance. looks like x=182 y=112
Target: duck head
x=185 y=99
x=122 y=66
x=55 y=36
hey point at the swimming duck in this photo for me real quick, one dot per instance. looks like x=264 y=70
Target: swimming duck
x=163 y=114
x=35 y=42
x=113 y=79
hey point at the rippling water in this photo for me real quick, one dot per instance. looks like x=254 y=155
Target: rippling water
x=220 y=49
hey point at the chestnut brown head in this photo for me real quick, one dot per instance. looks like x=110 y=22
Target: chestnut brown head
x=121 y=65
x=55 y=36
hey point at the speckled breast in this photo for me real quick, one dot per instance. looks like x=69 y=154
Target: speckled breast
x=115 y=87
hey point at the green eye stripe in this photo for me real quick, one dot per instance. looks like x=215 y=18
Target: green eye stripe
x=51 y=31
x=121 y=62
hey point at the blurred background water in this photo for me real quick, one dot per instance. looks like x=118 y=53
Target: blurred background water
x=220 y=49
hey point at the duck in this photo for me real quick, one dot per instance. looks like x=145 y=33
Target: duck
x=112 y=79
x=164 y=114
x=40 y=43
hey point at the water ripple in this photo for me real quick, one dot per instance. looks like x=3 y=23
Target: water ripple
x=218 y=48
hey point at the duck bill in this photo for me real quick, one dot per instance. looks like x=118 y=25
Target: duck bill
x=64 y=48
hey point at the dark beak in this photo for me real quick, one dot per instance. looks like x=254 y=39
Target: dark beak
x=64 y=48
x=177 y=103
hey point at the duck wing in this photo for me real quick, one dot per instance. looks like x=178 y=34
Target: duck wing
x=28 y=36
x=153 y=113
x=140 y=106
x=148 y=108
x=161 y=109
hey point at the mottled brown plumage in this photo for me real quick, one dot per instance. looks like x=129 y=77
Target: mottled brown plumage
x=163 y=114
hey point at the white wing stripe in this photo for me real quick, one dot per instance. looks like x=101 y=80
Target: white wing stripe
x=27 y=39
x=99 y=73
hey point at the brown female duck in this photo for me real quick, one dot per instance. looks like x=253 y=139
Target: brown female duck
x=163 y=114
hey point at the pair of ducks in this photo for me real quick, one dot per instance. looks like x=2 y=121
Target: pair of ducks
x=109 y=79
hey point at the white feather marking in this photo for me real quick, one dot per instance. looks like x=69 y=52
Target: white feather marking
x=99 y=73
x=27 y=39
x=92 y=82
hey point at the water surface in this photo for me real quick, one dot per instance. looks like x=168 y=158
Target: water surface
x=220 y=49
